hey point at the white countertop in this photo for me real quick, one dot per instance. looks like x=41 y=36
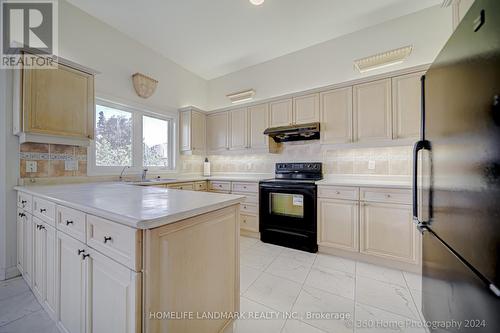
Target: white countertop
x=142 y=207
x=247 y=179
x=367 y=181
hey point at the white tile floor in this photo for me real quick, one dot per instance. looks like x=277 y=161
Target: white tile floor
x=297 y=292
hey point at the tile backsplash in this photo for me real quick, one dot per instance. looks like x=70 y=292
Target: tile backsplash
x=51 y=160
x=391 y=161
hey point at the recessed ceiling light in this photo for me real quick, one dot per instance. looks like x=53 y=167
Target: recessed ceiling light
x=257 y=2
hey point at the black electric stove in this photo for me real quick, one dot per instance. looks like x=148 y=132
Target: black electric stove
x=288 y=206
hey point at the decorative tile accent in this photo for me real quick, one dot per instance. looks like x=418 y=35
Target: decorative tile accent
x=50 y=160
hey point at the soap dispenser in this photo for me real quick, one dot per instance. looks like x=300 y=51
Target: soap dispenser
x=206 y=168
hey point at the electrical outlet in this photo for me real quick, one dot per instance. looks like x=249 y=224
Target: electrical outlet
x=70 y=165
x=31 y=166
x=371 y=165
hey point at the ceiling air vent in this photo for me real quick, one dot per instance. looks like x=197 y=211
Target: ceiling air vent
x=241 y=96
x=383 y=59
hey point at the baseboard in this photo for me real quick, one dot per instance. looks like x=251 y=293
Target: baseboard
x=252 y=234
x=9 y=273
x=413 y=268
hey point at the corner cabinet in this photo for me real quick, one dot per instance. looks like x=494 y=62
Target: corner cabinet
x=192 y=131
x=218 y=132
x=57 y=103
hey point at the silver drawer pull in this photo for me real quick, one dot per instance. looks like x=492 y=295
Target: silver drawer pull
x=106 y=239
x=23 y=202
x=337 y=192
x=68 y=222
x=43 y=210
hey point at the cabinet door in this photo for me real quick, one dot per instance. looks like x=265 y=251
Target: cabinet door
x=112 y=286
x=217 y=131
x=336 y=115
x=50 y=299
x=259 y=122
x=20 y=240
x=338 y=224
x=281 y=113
x=238 y=129
x=58 y=102
x=387 y=231
x=406 y=102
x=39 y=243
x=185 y=130
x=71 y=274
x=372 y=111
x=306 y=109
x=198 y=132
x=28 y=249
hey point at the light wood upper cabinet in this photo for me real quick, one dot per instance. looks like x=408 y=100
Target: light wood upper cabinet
x=406 y=105
x=372 y=111
x=306 y=109
x=238 y=129
x=392 y=238
x=336 y=116
x=338 y=224
x=58 y=102
x=217 y=131
x=192 y=128
x=259 y=122
x=281 y=113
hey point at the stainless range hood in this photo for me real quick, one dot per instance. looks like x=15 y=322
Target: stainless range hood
x=294 y=132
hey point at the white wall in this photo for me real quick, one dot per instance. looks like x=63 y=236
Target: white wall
x=332 y=61
x=90 y=42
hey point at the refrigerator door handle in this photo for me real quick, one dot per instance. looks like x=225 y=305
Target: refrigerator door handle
x=419 y=145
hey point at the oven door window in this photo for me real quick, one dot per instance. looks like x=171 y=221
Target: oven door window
x=287 y=204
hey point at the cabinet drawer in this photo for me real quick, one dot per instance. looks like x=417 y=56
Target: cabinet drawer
x=338 y=192
x=71 y=222
x=116 y=241
x=25 y=201
x=216 y=186
x=249 y=222
x=249 y=198
x=390 y=195
x=183 y=186
x=249 y=208
x=200 y=186
x=44 y=210
x=245 y=187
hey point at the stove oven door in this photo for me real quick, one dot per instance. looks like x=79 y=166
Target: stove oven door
x=288 y=214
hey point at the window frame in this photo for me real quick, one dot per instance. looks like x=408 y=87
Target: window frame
x=137 y=141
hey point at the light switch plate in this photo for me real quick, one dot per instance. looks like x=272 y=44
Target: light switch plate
x=371 y=165
x=31 y=166
x=70 y=165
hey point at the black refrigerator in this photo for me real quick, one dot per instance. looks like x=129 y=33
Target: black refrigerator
x=456 y=178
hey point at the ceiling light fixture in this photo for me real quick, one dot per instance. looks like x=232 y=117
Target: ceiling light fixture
x=256 y=2
x=241 y=96
x=384 y=59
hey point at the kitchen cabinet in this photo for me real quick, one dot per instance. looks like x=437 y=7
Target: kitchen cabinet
x=306 y=109
x=238 y=128
x=338 y=224
x=58 y=102
x=183 y=186
x=387 y=231
x=372 y=111
x=259 y=122
x=192 y=128
x=28 y=249
x=20 y=240
x=406 y=105
x=336 y=116
x=281 y=113
x=71 y=273
x=112 y=286
x=217 y=132
x=39 y=245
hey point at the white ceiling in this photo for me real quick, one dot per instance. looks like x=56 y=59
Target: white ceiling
x=215 y=37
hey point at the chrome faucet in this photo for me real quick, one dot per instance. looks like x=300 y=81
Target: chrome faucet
x=144 y=173
x=123 y=170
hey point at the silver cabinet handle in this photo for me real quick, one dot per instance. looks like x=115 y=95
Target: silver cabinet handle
x=106 y=239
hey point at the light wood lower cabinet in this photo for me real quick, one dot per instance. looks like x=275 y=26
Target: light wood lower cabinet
x=388 y=231
x=338 y=224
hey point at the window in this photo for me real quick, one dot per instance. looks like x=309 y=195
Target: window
x=130 y=137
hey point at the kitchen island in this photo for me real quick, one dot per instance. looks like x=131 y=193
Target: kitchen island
x=113 y=257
